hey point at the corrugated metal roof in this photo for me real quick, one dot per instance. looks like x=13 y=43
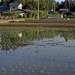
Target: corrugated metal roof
x=23 y=10
x=28 y=9
x=14 y=4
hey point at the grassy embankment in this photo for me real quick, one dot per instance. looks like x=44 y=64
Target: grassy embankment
x=40 y=22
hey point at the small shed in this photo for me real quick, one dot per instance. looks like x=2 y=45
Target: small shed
x=15 y=6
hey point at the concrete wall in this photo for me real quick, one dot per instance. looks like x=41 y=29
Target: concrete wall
x=56 y=16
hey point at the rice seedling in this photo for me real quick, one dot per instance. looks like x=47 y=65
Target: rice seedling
x=68 y=51
x=58 y=66
x=42 y=72
x=38 y=64
x=1 y=52
x=66 y=66
x=23 y=67
x=44 y=67
x=50 y=55
x=29 y=67
x=45 y=54
x=16 y=61
x=73 y=69
x=20 y=74
x=54 y=59
x=12 y=71
x=4 y=69
x=14 y=64
x=26 y=63
x=16 y=67
x=20 y=64
x=25 y=71
x=19 y=70
x=23 y=52
x=10 y=66
x=33 y=71
x=52 y=64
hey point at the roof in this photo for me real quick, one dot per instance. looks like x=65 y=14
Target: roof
x=63 y=9
x=23 y=10
x=14 y=4
x=28 y=9
x=4 y=8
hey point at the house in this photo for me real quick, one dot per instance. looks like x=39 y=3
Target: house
x=15 y=6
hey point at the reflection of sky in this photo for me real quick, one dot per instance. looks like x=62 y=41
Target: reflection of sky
x=59 y=0
x=59 y=39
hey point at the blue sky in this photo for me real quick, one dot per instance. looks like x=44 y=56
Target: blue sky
x=59 y=0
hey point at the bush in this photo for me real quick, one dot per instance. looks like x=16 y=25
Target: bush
x=54 y=13
x=30 y=14
x=42 y=13
x=73 y=15
x=19 y=16
x=35 y=14
x=25 y=15
x=13 y=13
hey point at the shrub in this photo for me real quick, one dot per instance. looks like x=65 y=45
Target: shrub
x=19 y=16
x=30 y=14
x=25 y=15
x=73 y=15
x=14 y=13
x=42 y=13
x=54 y=13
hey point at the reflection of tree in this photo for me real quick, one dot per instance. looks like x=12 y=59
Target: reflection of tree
x=13 y=41
x=67 y=35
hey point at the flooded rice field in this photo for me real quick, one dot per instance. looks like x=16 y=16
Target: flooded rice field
x=37 y=51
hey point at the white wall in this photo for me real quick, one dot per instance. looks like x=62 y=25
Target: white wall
x=56 y=16
x=20 y=6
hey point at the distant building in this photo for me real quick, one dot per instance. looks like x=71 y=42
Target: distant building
x=50 y=10
x=70 y=0
x=63 y=10
x=4 y=8
x=15 y=6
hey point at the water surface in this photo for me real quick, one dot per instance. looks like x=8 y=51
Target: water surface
x=37 y=51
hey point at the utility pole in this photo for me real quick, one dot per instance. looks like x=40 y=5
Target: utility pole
x=54 y=5
x=38 y=9
x=69 y=5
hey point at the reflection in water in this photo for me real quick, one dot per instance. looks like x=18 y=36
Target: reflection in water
x=40 y=51
x=14 y=40
x=20 y=35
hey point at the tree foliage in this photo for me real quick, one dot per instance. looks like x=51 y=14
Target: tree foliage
x=31 y=4
x=65 y=5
